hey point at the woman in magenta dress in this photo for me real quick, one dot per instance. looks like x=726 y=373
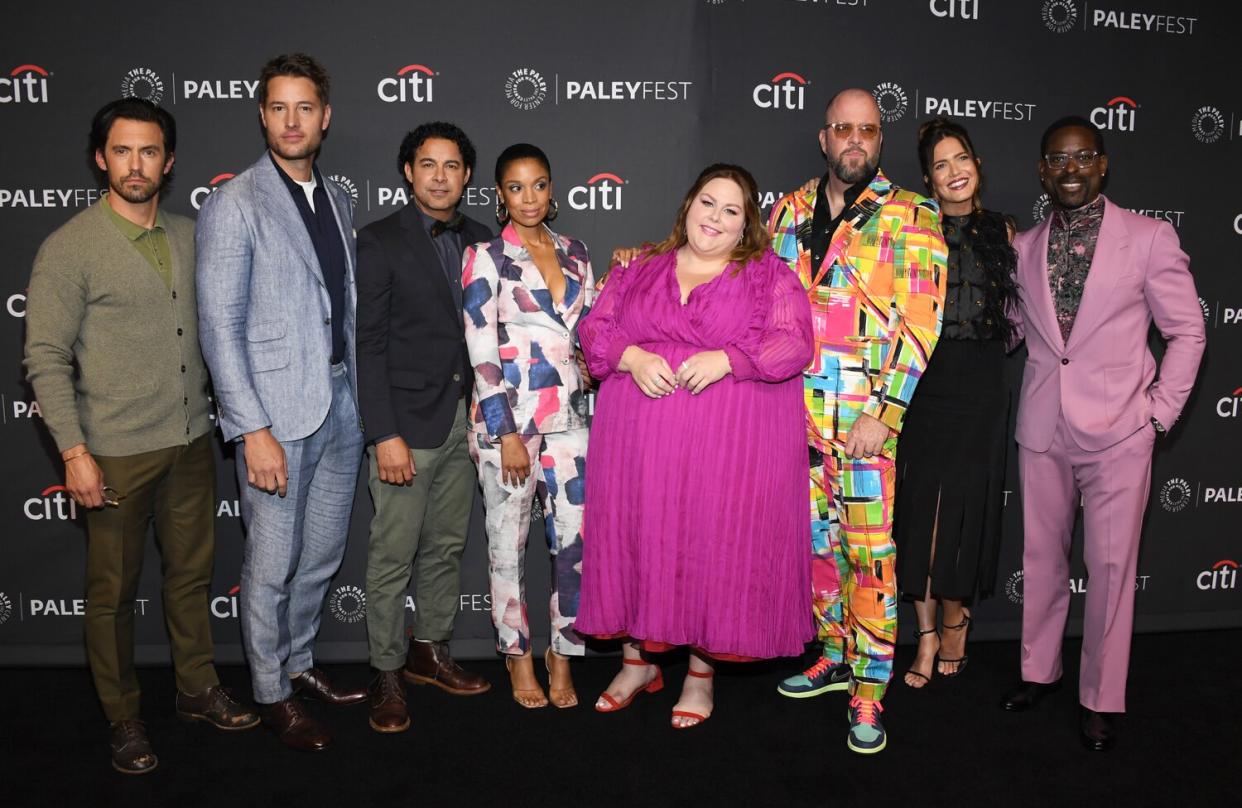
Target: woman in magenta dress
x=698 y=525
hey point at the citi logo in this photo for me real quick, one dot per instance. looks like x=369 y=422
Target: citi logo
x=53 y=502
x=1227 y=407
x=1207 y=124
x=16 y=304
x=1118 y=114
x=6 y=608
x=785 y=91
x=199 y=195
x=955 y=9
x=1237 y=224
x=1059 y=15
x=413 y=83
x=601 y=192
x=347 y=185
x=348 y=604
x=892 y=101
x=225 y=606
x=144 y=83
x=25 y=84
x=1222 y=575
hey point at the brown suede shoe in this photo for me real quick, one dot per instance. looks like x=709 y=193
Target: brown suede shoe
x=217 y=707
x=131 y=751
x=314 y=684
x=429 y=663
x=295 y=727
x=388 y=711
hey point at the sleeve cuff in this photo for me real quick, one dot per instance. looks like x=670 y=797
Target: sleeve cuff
x=613 y=354
x=739 y=363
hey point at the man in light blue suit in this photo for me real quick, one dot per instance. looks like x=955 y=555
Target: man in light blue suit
x=276 y=302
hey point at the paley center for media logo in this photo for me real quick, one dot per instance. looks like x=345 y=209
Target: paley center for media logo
x=525 y=88
x=1015 y=590
x=785 y=90
x=6 y=608
x=1207 y=124
x=348 y=603
x=413 y=83
x=1059 y=16
x=1176 y=495
x=1221 y=575
x=48 y=197
x=25 y=84
x=144 y=83
x=347 y=185
x=892 y=101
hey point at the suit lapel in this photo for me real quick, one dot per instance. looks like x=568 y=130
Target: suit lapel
x=274 y=197
x=426 y=259
x=1039 y=300
x=1111 y=250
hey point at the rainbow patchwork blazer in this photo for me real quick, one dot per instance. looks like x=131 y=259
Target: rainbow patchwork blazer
x=522 y=342
x=876 y=304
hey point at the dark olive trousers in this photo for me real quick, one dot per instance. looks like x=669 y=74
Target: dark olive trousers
x=175 y=488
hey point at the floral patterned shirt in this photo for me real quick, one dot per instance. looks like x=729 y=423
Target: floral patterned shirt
x=1071 y=246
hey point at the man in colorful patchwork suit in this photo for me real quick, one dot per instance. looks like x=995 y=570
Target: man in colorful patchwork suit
x=873 y=261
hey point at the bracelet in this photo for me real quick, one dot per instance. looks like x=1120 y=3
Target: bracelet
x=82 y=453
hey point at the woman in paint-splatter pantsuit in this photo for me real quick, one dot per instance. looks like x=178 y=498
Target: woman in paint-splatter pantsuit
x=524 y=293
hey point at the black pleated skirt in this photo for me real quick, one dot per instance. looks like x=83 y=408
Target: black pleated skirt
x=951 y=473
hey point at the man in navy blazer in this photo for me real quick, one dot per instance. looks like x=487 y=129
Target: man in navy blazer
x=276 y=305
x=414 y=386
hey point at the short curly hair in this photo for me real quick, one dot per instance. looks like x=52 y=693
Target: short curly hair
x=426 y=131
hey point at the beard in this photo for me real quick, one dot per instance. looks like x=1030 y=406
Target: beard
x=856 y=173
x=309 y=147
x=137 y=195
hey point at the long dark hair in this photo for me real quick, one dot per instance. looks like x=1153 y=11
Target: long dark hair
x=936 y=130
x=755 y=238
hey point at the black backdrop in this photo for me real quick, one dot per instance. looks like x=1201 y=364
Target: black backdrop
x=630 y=99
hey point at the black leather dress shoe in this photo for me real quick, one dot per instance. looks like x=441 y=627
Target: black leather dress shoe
x=314 y=684
x=294 y=726
x=1027 y=694
x=1097 y=730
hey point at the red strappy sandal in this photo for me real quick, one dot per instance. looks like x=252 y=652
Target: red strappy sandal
x=654 y=686
x=686 y=713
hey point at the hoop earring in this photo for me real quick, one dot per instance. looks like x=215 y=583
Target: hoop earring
x=502 y=212
x=554 y=210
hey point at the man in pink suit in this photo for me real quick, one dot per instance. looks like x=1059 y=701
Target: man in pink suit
x=1093 y=278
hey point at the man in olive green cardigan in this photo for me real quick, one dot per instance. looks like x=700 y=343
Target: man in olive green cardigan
x=112 y=292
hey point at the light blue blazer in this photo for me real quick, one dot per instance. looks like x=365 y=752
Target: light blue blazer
x=264 y=315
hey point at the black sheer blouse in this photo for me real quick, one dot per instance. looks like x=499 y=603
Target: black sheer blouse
x=980 y=286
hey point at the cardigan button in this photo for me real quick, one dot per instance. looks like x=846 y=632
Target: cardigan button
x=1064 y=361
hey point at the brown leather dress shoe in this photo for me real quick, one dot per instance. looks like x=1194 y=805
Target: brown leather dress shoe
x=429 y=663
x=388 y=711
x=131 y=751
x=1097 y=730
x=314 y=684
x=217 y=707
x=295 y=727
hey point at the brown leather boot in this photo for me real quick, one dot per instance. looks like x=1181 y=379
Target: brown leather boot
x=388 y=710
x=315 y=684
x=429 y=663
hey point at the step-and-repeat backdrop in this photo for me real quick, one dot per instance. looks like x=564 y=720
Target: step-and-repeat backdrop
x=630 y=100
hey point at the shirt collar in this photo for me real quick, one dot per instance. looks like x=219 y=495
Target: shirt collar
x=290 y=183
x=1080 y=216
x=423 y=218
x=129 y=229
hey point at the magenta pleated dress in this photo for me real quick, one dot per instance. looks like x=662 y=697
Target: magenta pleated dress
x=697 y=525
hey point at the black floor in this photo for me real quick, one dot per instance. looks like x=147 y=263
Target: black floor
x=949 y=745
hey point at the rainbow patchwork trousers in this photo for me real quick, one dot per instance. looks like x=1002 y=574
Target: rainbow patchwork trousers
x=853 y=566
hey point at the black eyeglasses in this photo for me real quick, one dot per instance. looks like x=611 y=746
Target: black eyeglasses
x=112 y=497
x=1059 y=160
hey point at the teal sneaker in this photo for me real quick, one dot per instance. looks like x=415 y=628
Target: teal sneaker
x=866 y=730
x=822 y=677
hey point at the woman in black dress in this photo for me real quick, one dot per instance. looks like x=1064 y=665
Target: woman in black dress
x=951 y=458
